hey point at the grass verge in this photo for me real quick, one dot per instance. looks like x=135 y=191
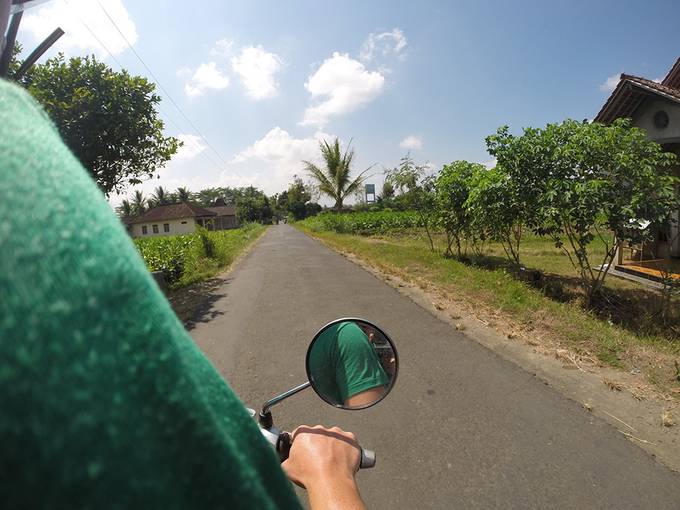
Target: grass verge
x=191 y=258
x=519 y=309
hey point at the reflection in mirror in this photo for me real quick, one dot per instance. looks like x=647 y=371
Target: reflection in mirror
x=351 y=364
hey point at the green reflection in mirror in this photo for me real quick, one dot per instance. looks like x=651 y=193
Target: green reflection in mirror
x=351 y=364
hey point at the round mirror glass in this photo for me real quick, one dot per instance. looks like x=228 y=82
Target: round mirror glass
x=352 y=364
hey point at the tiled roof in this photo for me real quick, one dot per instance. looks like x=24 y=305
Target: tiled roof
x=672 y=79
x=223 y=210
x=631 y=91
x=173 y=212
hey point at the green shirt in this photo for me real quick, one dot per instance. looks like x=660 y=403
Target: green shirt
x=343 y=363
x=105 y=401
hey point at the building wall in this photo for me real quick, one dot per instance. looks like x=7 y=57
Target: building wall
x=644 y=118
x=177 y=227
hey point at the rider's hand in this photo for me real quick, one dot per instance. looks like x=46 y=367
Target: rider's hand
x=324 y=461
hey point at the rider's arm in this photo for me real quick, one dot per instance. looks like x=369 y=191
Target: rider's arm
x=359 y=374
x=324 y=461
x=106 y=401
x=365 y=397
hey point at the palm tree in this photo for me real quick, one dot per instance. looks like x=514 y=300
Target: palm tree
x=139 y=203
x=183 y=194
x=160 y=196
x=124 y=209
x=334 y=180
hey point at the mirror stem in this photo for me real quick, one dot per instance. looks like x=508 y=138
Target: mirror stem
x=265 y=416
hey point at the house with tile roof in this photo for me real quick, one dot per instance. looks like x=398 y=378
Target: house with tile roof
x=182 y=218
x=654 y=107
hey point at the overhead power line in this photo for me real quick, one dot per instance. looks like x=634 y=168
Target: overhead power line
x=219 y=157
x=168 y=117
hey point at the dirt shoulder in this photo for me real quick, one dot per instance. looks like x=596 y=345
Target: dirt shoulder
x=638 y=410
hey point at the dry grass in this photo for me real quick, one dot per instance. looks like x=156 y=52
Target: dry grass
x=524 y=311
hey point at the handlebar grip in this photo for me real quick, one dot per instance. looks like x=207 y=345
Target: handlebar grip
x=367 y=459
x=285 y=441
x=283 y=444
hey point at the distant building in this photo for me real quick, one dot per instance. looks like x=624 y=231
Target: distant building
x=654 y=107
x=177 y=219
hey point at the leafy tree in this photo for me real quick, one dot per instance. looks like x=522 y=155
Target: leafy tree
x=387 y=192
x=160 y=196
x=594 y=181
x=452 y=189
x=107 y=118
x=496 y=212
x=124 y=209
x=207 y=196
x=139 y=203
x=312 y=209
x=253 y=206
x=183 y=195
x=334 y=179
x=297 y=197
x=416 y=191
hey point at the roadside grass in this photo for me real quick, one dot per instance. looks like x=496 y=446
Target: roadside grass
x=191 y=258
x=550 y=310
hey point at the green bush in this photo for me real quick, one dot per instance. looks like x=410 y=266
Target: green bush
x=363 y=223
x=188 y=258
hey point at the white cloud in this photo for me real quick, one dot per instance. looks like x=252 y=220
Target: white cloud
x=206 y=77
x=383 y=44
x=41 y=21
x=657 y=80
x=256 y=68
x=192 y=147
x=491 y=164
x=222 y=48
x=412 y=142
x=281 y=154
x=343 y=85
x=610 y=83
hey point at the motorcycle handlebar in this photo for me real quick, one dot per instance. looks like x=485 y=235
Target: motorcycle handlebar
x=285 y=441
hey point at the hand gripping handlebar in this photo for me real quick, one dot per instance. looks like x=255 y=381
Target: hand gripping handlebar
x=285 y=441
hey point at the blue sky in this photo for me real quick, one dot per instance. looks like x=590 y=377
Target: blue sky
x=264 y=81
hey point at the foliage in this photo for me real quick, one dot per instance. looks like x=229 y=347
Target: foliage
x=495 y=212
x=416 y=192
x=363 y=223
x=124 y=210
x=387 y=192
x=591 y=181
x=452 y=189
x=297 y=197
x=139 y=203
x=107 y=118
x=335 y=179
x=170 y=254
x=185 y=258
x=253 y=206
x=160 y=196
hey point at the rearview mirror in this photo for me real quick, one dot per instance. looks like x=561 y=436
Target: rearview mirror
x=352 y=364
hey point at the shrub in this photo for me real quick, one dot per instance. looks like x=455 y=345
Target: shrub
x=190 y=257
x=364 y=223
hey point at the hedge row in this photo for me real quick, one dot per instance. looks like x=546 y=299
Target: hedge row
x=364 y=223
x=181 y=257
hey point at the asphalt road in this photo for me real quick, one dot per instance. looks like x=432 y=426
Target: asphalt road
x=463 y=428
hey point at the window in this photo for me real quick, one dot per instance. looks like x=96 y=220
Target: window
x=166 y=227
x=184 y=223
x=154 y=228
x=144 y=231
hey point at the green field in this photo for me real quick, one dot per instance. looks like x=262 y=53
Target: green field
x=193 y=257
x=625 y=333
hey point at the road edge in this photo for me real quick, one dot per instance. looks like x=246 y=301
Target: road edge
x=583 y=386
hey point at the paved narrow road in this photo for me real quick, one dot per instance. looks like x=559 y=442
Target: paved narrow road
x=462 y=429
